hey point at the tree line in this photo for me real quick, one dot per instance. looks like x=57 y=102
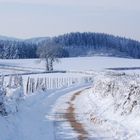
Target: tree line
x=86 y=43
x=72 y=44
x=17 y=49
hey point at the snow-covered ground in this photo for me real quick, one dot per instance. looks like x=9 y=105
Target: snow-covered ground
x=81 y=63
x=63 y=108
x=117 y=103
x=32 y=122
x=109 y=110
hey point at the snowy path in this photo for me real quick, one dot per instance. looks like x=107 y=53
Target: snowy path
x=79 y=116
x=70 y=115
x=66 y=114
x=32 y=121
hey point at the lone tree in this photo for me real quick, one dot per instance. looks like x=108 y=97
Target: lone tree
x=51 y=52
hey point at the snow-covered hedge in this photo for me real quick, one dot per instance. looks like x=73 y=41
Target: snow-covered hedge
x=11 y=91
x=123 y=90
x=2 y=101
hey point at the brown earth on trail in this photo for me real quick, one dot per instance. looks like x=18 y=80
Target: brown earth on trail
x=70 y=116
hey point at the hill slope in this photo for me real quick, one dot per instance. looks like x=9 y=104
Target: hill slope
x=76 y=44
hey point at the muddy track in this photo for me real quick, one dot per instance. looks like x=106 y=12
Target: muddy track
x=70 y=116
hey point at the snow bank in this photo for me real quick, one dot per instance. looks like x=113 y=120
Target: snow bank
x=111 y=108
x=123 y=90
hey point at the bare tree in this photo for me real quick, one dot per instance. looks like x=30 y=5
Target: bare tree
x=50 y=52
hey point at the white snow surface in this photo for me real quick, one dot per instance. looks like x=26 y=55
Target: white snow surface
x=109 y=110
x=31 y=122
x=95 y=63
x=116 y=101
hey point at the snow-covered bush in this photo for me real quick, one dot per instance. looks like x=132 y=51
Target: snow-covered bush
x=123 y=90
x=12 y=100
x=14 y=81
x=2 y=102
x=11 y=91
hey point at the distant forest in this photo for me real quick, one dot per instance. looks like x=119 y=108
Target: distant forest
x=75 y=44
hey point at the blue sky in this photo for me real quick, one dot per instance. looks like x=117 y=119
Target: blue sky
x=32 y=18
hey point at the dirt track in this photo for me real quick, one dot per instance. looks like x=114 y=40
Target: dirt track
x=70 y=116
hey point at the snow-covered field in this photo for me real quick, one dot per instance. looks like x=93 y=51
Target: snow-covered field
x=81 y=63
x=58 y=106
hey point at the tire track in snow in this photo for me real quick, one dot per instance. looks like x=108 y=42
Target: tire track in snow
x=70 y=116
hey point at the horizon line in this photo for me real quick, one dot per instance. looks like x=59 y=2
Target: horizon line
x=61 y=34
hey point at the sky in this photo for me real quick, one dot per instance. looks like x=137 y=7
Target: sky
x=38 y=18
